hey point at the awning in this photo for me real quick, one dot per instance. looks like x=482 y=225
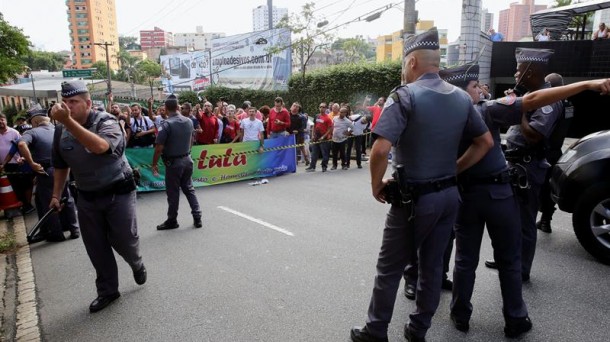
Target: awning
x=557 y=20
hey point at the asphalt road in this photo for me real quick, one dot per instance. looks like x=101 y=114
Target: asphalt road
x=240 y=280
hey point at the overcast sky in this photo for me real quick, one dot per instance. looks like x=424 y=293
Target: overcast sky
x=46 y=23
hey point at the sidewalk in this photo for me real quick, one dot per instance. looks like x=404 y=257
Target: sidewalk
x=19 y=316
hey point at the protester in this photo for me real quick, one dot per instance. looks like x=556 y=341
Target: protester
x=342 y=127
x=231 y=128
x=298 y=124
x=322 y=131
x=208 y=125
x=361 y=122
x=279 y=120
x=142 y=129
x=251 y=129
x=601 y=32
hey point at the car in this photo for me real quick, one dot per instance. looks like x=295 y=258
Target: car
x=580 y=184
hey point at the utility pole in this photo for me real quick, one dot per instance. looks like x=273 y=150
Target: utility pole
x=270 y=13
x=410 y=18
x=105 y=45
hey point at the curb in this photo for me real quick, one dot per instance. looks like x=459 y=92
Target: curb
x=27 y=318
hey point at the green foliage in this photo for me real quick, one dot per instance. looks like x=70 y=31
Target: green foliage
x=127 y=42
x=12 y=112
x=8 y=242
x=342 y=83
x=14 y=46
x=43 y=60
x=149 y=68
x=306 y=34
x=188 y=96
x=102 y=71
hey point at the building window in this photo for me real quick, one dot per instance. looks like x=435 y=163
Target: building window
x=86 y=61
x=82 y=23
x=81 y=15
x=82 y=31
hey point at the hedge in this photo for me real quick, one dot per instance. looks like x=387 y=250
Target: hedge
x=340 y=83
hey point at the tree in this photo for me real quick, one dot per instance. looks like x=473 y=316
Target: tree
x=355 y=49
x=101 y=72
x=127 y=42
x=580 y=22
x=43 y=60
x=14 y=46
x=188 y=96
x=149 y=70
x=308 y=33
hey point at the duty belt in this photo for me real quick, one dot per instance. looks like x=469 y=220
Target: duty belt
x=523 y=155
x=499 y=178
x=420 y=189
x=121 y=187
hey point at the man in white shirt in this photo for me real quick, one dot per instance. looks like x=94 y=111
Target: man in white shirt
x=251 y=129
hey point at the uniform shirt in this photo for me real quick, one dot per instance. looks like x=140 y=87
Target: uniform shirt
x=283 y=116
x=40 y=142
x=323 y=123
x=340 y=128
x=175 y=135
x=427 y=138
x=87 y=167
x=251 y=129
x=6 y=140
x=209 y=125
x=499 y=113
x=542 y=120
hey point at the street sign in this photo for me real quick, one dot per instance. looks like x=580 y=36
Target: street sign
x=78 y=72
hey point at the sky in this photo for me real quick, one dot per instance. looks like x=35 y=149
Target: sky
x=46 y=22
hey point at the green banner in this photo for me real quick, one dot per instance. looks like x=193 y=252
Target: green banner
x=221 y=163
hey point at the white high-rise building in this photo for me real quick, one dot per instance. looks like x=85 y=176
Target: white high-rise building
x=487 y=20
x=196 y=41
x=260 y=17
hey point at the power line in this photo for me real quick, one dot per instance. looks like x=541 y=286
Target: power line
x=359 y=18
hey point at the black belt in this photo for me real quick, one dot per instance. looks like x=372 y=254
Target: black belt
x=420 y=189
x=177 y=157
x=121 y=187
x=500 y=178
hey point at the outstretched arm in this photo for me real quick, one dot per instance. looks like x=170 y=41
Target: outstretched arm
x=547 y=96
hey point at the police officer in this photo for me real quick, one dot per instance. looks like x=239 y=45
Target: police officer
x=35 y=147
x=527 y=144
x=91 y=144
x=488 y=200
x=554 y=152
x=424 y=121
x=173 y=144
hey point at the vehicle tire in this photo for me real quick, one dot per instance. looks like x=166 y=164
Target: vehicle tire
x=591 y=221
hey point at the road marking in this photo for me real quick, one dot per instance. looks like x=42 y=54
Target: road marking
x=259 y=221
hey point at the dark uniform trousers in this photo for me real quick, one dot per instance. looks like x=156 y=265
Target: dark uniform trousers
x=528 y=207
x=410 y=273
x=57 y=222
x=435 y=215
x=494 y=206
x=108 y=222
x=320 y=149
x=339 y=152
x=178 y=175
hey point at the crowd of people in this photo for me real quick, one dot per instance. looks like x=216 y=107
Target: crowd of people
x=336 y=131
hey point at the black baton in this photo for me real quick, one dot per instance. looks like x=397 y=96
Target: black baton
x=44 y=217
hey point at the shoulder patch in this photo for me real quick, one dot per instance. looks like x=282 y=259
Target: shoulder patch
x=107 y=123
x=507 y=100
x=393 y=98
x=547 y=109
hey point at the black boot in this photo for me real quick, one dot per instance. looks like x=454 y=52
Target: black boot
x=517 y=326
x=544 y=225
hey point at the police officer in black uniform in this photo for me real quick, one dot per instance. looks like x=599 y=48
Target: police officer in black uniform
x=91 y=144
x=527 y=144
x=554 y=152
x=488 y=201
x=35 y=147
x=425 y=121
x=173 y=144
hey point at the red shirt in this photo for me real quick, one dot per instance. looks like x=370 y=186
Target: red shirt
x=230 y=130
x=283 y=116
x=322 y=124
x=209 y=125
x=376 y=111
